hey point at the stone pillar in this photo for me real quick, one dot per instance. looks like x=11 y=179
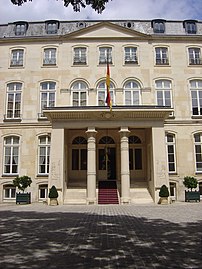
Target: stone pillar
x=125 y=171
x=91 y=169
x=56 y=173
x=160 y=168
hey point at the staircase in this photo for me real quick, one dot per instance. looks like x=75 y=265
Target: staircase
x=139 y=193
x=107 y=192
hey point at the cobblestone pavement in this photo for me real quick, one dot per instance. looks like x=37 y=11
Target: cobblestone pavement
x=134 y=236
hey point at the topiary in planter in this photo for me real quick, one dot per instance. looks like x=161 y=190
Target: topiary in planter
x=22 y=182
x=164 y=192
x=190 y=182
x=53 y=193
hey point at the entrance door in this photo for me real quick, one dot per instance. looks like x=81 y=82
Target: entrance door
x=107 y=163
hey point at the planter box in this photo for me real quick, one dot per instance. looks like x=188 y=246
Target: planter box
x=192 y=196
x=24 y=198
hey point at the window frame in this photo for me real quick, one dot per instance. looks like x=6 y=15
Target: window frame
x=158 y=26
x=16 y=101
x=105 y=55
x=79 y=91
x=161 y=56
x=171 y=144
x=198 y=97
x=194 y=54
x=163 y=89
x=45 y=156
x=198 y=144
x=52 y=27
x=17 y=57
x=11 y=192
x=11 y=150
x=132 y=90
x=132 y=57
x=20 y=28
x=102 y=92
x=190 y=26
x=81 y=58
x=48 y=92
x=51 y=60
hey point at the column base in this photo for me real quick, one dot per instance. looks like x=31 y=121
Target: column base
x=125 y=200
x=90 y=201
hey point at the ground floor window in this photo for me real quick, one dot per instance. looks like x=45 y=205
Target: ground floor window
x=43 y=191
x=9 y=192
x=173 y=190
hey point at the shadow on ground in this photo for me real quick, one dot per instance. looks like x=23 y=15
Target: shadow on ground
x=57 y=240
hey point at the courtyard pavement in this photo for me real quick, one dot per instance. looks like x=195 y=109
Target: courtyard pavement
x=84 y=237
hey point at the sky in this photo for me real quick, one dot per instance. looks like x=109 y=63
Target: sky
x=41 y=10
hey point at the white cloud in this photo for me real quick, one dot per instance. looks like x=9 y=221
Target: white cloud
x=116 y=9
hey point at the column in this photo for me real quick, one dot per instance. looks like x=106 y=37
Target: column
x=91 y=168
x=160 y=169
x=125 y=171
x=56 y=174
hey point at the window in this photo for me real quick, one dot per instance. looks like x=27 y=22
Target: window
x=161 y=56
x=11 y=154
x=43 y=191
x=132 y=93
x=21 y=28
x=158 y=26
x=13 y=108
x=79 y=93
x=194 y=56
x=105 y=55
x=17 y=57
x=49 y=56
x=130 y=55
x=48 y=90
x=163 y=93
x=190 y=27
x=196 y=97
x=170 y=144
x=79 y=153
x=102 y=93
x=44 y=154
x=52 y=27
x=79 y=56
x=9 y=191
x=198 y=151
x=135 y=153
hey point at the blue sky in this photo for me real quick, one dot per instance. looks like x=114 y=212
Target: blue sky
x=116 y=9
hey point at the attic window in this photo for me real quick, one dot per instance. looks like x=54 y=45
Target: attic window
x=21 y=28
x=190 y=26
x=81 y=24
x=158 y=26
x=52 y=27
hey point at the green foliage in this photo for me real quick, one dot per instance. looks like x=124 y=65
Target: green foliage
x=53 y=193
x=164 y=192
x=97 y=5
x=190 y=182
x=22 y=182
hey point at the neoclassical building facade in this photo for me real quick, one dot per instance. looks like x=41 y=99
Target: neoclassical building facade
x=56 y=127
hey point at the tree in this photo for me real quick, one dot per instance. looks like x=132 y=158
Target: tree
x=97 y=5
x=22 y=182
x=190 y=182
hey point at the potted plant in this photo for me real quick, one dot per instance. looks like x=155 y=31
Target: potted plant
x=191 y=183
x=22 y=183
x=163 y=194
x=53 y=195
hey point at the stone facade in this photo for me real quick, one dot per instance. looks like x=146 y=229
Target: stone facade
x=55 y=125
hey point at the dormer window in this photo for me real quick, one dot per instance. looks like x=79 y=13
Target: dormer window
x=21 y=28
x=158 y=26
x=190 y=27
x=52 y=27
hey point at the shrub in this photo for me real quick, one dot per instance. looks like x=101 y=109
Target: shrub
x=22 y=182
x=53 y=193
x=190 y=182
x=164 y=192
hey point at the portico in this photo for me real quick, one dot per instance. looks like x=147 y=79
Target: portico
x=92 y=144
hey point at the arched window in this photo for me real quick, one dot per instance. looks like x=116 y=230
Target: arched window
x=135 y=153
x=44 y=154
x=106 y=140
x=79 y=91
x=163 y=93
x=196 y=97
x=79 y=153
x=171 y=155
x=47 y=90
x=198 y=151
x=102 y=93
x=132 y=93
x=11 y=154
x=14 y=96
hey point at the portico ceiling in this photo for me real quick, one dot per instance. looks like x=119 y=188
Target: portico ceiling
x=91 y=113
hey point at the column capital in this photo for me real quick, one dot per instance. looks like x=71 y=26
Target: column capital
x=91 y=131
x=124 y=131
